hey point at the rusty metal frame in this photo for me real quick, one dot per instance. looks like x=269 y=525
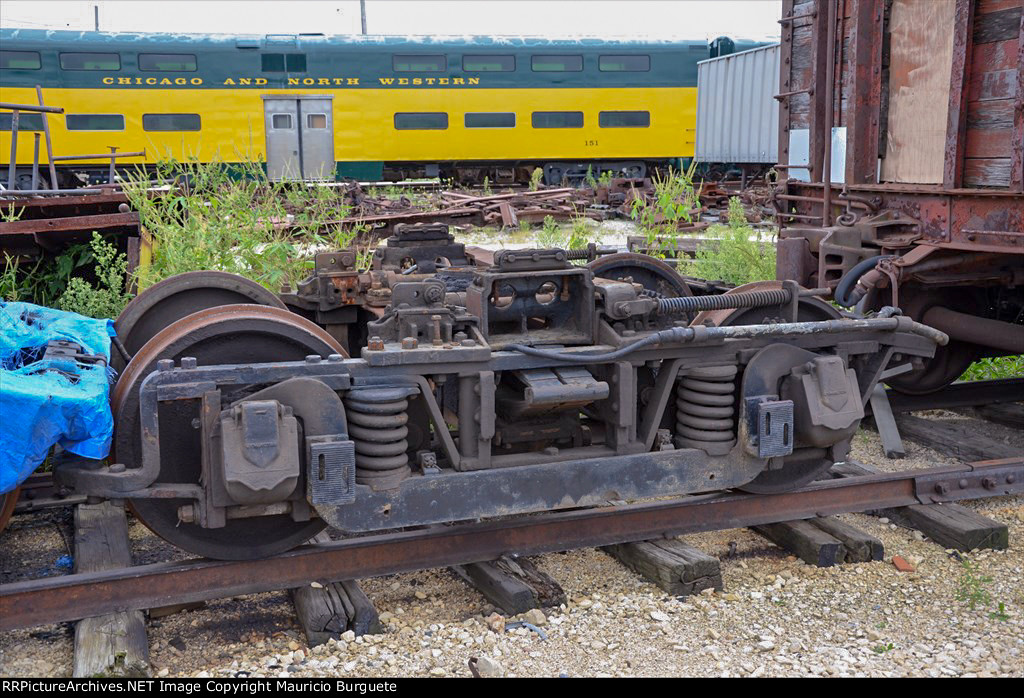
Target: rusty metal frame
x=956 y=127
x=76 y=596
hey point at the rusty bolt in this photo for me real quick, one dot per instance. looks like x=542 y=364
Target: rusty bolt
x=410 y=343
x=963 y=484
x=942 y=488
x=989 y=483
x=188 y=362
x=375 y=344
x=436 y=319
x=164 y=365
x=1011 y=478
x=313 y=359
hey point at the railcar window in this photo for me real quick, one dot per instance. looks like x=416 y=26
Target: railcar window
x=279 y=62
x=629 y=64
x=171 y=62
x=421 y=121
x=95 y=122
x=26 y=121
x=624 y=119
x=19 y=60
x=491 y=120
x=434 y=63
x=316 y=121
x=90 y=61
x=489 y=64
x=281 y=122
x=556 y=64
x=557 y=119
x=170 y=122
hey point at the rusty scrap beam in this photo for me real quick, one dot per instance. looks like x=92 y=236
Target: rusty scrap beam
x=72 y=597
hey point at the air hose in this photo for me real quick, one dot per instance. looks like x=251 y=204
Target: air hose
x=843 y=292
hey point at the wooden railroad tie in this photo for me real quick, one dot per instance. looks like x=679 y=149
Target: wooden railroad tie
x=952 y=438
x=823 y=542
x=114 y=644
x=950 y=525
x=513 y=585
x=326 y=611
x=676 y=567
x=1008 y=414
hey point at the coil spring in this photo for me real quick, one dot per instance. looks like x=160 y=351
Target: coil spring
x=377 y=421
x=705 y=408
x=743 y=299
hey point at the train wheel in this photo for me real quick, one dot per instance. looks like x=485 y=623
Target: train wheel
x=797 y=469
x=653 y=274
x=7 y=502
x=232 y=334
x=950 y=361
x=180 y=295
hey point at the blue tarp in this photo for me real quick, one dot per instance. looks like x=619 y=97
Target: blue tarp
x=49 y=401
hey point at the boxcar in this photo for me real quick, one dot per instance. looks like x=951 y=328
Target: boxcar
x=902 y=131
x=316 y=106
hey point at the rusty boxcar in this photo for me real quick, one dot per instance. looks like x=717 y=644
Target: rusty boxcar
x=900 y=151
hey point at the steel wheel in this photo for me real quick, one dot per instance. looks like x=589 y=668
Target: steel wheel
x=796 y=470
x=232 y=334
x=178 y=296
x=653 y=274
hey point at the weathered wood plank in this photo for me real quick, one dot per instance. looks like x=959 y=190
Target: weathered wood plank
x=1010 y=414
x=954 y=438
x=1000 y=55
x=515 y=586
x=987 y=172
x=949 y=525
x=989 y=143
x=676 y=567
x=993 y=114
x=952 y=526
x=859 y=545
x=995 y=84
x=997 y=26
x=115 y=644
x=805 y=540
x=326 y=611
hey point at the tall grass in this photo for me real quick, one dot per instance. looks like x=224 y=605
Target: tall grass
x=735 y=252
x=676 y=202
x=234 y=219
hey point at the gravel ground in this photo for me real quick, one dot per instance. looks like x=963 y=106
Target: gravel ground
x=776 y=616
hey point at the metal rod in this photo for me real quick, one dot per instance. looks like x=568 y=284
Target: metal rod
x=82 y=595
x=32 y=108
x=42 y=192
x=830 y=70
x=35 y=162
x=14 y=150
x=100 y=156
x=49 y=146
x=783 y=95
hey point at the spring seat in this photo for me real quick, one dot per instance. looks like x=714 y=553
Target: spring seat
x=377 y=419
x=705 y=409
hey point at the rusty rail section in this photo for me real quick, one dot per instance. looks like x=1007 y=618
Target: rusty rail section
x=76 y=596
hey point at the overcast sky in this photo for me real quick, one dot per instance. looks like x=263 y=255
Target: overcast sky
x=692 y=19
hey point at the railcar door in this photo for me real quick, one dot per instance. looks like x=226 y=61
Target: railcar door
x=300 y=136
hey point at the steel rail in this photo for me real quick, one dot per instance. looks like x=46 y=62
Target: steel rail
x=72 y=597
x=966 y=394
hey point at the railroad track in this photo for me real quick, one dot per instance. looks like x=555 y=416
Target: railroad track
x=957 y=395
x=83 y=595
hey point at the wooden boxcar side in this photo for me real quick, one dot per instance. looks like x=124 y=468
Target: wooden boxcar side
x=901 y=133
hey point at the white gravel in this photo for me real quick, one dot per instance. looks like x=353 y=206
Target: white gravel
x=776 y=617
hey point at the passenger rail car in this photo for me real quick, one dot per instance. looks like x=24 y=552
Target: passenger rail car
x=320 y=107
x=902 y=134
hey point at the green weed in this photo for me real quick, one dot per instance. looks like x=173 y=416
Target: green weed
x=108 y=296
x=736 y=252
x=995 y=367
x=535 y=177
